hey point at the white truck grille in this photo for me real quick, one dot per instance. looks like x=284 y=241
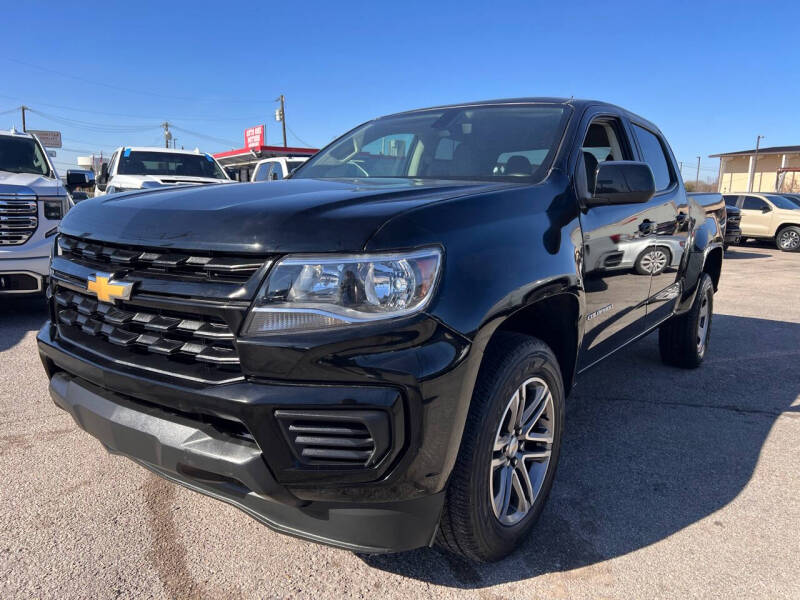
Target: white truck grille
x=18 y=219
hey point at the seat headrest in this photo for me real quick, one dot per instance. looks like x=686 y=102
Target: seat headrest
x=518 y=165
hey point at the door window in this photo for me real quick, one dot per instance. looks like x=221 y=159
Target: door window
x=753 y=203
x=654 y=155
x=603 y=142
x=731 y=200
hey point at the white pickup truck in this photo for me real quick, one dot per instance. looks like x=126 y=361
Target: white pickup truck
x=135 y=168
x=279 y=167
x=33 y=200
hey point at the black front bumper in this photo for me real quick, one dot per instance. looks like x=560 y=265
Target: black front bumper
x=189 y=434
x=206 y=461
x=733 y=236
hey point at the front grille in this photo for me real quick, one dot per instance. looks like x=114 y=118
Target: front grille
x=169 y=341
x=18 y=219
x=176 y=264
x=357 y=438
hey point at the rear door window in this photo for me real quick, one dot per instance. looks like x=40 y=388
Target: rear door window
x=753 y=203
x=654 y=154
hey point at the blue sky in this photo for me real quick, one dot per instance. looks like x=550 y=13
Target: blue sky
x=712 y=75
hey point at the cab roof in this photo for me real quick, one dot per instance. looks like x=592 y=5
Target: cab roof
x=14 y=133
x=578 y=104
x=159 y=149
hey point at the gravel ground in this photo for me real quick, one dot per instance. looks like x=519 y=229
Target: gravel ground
x=672 y=484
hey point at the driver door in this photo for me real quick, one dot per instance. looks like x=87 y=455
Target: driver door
x=613 y=236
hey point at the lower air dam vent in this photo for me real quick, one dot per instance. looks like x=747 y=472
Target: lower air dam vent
x=344 y=438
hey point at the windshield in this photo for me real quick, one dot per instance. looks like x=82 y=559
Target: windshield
x=782 y=202
x=508 y=143
x=22 y=155
x=170 y=164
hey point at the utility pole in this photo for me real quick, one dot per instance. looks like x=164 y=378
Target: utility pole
x=167 y=134
x=680 y=168
x=23 y=108
x=280 y=115
x=697 y=177
x=755 y=164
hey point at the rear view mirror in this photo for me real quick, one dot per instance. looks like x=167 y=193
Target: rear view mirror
x=622 y=182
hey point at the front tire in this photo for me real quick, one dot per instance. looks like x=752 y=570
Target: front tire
x=683 y=340
x=509 y=450
x=788 y=239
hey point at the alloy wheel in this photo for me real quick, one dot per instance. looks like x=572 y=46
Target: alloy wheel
x=789 y=239
x=521 y=452
x=702 y=325
x=654 y=261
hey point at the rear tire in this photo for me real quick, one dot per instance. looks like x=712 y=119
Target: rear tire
x=683 y=340
x=788 y=239
x=504 y=471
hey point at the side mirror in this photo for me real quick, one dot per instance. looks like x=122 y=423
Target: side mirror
x=765 y=209
x=79 y=178
x=273 y=176
x=622 y=182
x=102 y=181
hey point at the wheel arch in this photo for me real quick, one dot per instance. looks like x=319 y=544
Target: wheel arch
x=554 y=320
x=713 y=265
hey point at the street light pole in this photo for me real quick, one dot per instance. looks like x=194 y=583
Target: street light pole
x=697 y=177
x=755 y=164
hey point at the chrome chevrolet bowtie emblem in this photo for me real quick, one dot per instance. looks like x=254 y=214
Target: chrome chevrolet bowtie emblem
x=108 y=290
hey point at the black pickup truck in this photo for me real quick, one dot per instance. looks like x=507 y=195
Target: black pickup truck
x=375 y=353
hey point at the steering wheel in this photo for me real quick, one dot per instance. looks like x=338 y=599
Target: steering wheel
x=358 y=166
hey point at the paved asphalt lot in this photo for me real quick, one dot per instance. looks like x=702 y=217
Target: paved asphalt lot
x=672 y=484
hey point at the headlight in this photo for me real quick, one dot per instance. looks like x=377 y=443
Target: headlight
x=53 y=210
x=115 y=189
x=322 y=292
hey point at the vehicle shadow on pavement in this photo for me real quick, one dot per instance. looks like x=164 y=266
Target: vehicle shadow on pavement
x=18 y=316
x=744 y=255
x=648 y=450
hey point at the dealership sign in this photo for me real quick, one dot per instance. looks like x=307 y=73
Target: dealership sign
x=49 y=139
x=254 y=136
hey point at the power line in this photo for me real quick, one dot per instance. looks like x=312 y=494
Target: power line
x=96 y=82
x=100 y=128
x=105 y=84
x=298 y=138
x=204 y=137
x=129 y=116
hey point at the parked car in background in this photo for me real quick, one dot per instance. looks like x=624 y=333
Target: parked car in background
x=768 y=217
x=33 y=200
x=376 y=352
x=136 y=168
x=274 y=169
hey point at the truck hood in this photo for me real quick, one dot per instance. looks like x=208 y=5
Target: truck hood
x=136 y=181
x=29 y=183
x=295 y=215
